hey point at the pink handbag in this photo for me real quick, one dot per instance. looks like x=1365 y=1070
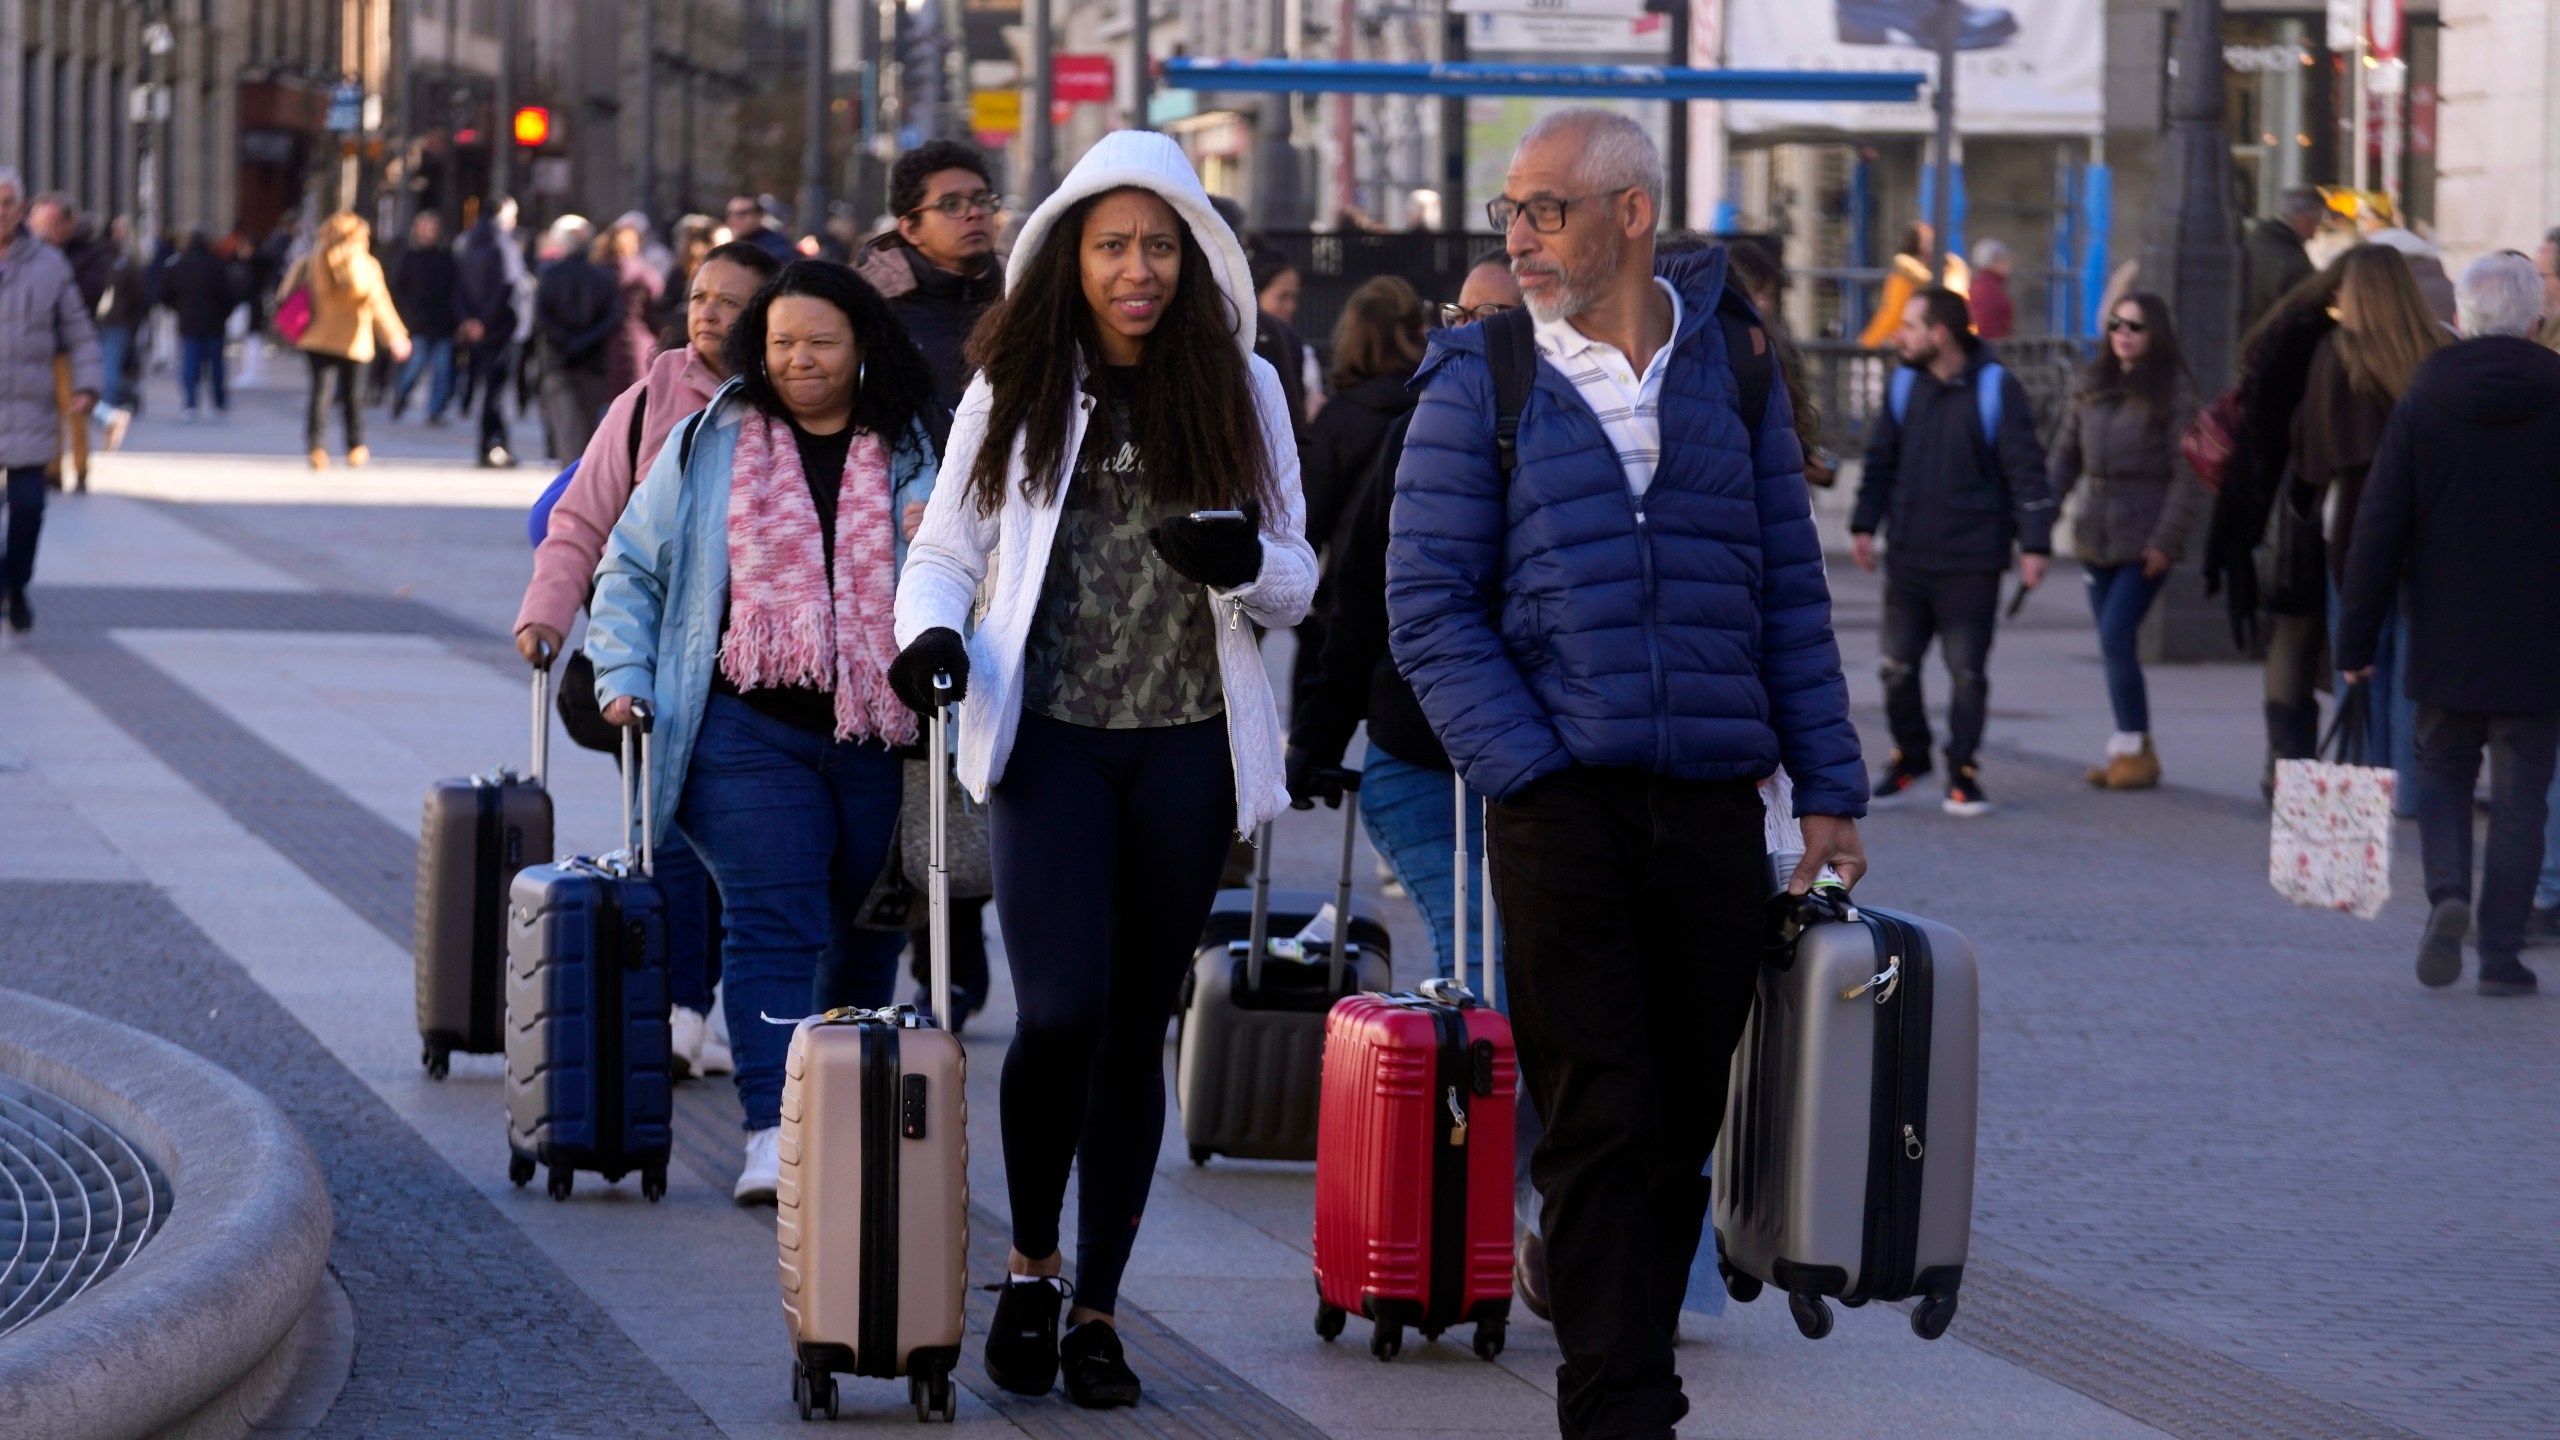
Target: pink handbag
x=293 y=316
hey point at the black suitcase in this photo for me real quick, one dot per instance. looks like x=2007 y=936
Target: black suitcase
x=477 y=832
x=588 y=1045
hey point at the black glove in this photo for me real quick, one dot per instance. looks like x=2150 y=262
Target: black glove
x=1220 y=554
x=938 y=651
x=1310 y=780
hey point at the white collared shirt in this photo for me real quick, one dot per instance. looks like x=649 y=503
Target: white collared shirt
x=1630 y=409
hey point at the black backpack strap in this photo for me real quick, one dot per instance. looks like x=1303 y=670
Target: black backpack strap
x=1511 y=348
x=1751 y=353
x=639 y=421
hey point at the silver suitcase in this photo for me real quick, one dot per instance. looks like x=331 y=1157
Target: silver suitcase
x=1845 y=1168
x=1249 y=1062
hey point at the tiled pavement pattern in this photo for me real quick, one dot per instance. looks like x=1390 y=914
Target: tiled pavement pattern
x=2086 y=1175
x=464 y=1327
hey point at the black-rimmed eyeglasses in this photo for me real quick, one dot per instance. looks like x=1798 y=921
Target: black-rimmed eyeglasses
x=955 y=206
x=1546 y=212
x=1453 y=316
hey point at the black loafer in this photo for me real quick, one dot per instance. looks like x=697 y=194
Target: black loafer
x=1022 y=1341
x=1098 y=1373
x=1529 y=1273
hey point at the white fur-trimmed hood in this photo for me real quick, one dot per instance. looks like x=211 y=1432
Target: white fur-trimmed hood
x=1148 y=161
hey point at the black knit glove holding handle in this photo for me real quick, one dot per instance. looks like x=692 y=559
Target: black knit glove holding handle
x=1221 y=554
x=939 y=651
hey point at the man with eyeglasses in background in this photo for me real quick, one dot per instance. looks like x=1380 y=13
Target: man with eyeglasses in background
x=1617 y=636
x=939 y=268
x=749 y=221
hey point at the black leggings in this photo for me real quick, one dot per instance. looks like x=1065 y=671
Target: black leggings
x=1108 y=845
x=340 y=372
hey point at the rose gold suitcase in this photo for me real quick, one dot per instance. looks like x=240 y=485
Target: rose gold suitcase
x=873 y=1202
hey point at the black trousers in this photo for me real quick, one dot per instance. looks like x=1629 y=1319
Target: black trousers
x=2520 y=749
x=26 y=523
x=489 y=373
x=1631 y=911
x=332 y=372
x=1107 y=847
x=1959 y=609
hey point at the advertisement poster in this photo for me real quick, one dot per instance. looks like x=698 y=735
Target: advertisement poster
x=2030 y=67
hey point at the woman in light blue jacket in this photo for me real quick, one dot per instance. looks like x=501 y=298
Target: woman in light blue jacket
x=748 y=595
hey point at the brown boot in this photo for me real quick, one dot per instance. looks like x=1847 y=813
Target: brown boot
x=2133 y=772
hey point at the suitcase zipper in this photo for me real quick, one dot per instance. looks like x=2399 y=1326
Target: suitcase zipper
x=488 y=917
x=608 y=1024
x=876 y=1337
x=1901 y=1098
x=1445 y=1302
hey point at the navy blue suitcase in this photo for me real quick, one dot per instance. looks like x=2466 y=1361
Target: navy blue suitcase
x=588 y=1047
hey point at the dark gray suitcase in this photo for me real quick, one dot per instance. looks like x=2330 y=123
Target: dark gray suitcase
x=589 y=1084
x=1845 y=1168
x=477 y=832
x=1249 y=1063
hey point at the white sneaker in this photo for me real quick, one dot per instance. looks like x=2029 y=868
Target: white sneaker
x=712 y=1056
x=763 y=1174
x=684 y=1052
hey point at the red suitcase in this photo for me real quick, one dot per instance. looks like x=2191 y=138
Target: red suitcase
x=1414 y=1145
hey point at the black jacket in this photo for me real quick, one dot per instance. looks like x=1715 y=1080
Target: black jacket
x=1355 y=679
x=577 y=308
x=939 y=310
x=1280 y=347
x=2463 y=502
x=199 y=290
x=2276 y=262
x=1341 y=449
x=1947 y=500
x=423 y=283
x=483 y=293
x=93 y=264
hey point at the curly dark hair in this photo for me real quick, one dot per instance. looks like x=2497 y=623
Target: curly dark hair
x=894 y=388
x=907 y=177
x=1197 y=427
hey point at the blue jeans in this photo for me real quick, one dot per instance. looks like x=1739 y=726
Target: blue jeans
x=793 y=827
x=198 y=359
x=115 y=342
x=691 y=923
x=2119 y=596
x=1412 y=817
x=2392 y=738
x=436 y=358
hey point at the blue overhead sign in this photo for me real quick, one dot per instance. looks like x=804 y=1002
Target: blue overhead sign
x=1626 y=82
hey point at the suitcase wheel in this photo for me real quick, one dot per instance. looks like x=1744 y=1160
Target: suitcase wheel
x=1489 y=1334
x=1330 y=1320
x=653 y=1183
x=1812 y=1316
x=437 y=1059
x=1930 y=1318
x=520 y=1170
x=933 y=1395
x=1743 y=1288
x=1200 y=1154
x=562 y=1178
x=1386 y=1339
x=813 y=1392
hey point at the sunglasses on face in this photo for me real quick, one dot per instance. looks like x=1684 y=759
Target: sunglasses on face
x=1453 y=316
x=2126 y=327
x=955 y=206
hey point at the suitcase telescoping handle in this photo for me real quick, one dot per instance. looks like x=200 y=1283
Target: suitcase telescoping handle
x=542 y=658
x=1459 y=870
x=937 y=886
x=1258 y=934
x=643 y=718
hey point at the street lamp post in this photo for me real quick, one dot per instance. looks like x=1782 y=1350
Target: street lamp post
x=813 y=153
x=1142 y=46
x=151 y=163
x=1044 y=91
x=1949 y=24
x=2189 y=253
x=649 y=109
x=1277 y=202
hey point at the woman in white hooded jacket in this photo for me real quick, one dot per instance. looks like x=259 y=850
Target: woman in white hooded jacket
x=1123 y=468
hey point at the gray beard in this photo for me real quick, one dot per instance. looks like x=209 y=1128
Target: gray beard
x=1568 y=301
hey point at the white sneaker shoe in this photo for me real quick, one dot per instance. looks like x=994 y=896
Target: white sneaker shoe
x=686 y=1029
x=763 y=1174
x=712 y=1056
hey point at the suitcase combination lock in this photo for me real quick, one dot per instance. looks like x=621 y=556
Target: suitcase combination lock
x=911 y=1107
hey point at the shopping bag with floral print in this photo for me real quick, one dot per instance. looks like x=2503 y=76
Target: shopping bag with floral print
x=2330 y=848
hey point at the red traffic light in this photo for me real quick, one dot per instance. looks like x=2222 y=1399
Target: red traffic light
x=532 y=126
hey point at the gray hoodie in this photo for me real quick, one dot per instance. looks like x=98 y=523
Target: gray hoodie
x=41 y=316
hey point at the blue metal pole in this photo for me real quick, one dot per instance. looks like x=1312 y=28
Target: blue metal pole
x=1634 y=82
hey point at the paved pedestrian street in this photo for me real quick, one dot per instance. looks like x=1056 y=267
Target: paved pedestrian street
x=2240 y=1175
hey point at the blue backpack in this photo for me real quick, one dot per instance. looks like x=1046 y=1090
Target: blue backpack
x=1986 y=396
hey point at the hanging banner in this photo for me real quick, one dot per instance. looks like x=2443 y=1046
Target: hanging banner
x=2385 y=29
x=2036 y=67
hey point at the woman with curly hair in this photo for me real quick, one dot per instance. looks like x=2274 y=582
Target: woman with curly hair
x=747 y=594
x=1122 y=472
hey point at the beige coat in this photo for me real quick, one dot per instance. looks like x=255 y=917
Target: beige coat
x=350 y=302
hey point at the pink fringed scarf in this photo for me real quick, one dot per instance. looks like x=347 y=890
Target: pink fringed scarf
x=784 y=627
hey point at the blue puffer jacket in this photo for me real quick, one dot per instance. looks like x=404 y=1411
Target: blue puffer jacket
x=1688 y=635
